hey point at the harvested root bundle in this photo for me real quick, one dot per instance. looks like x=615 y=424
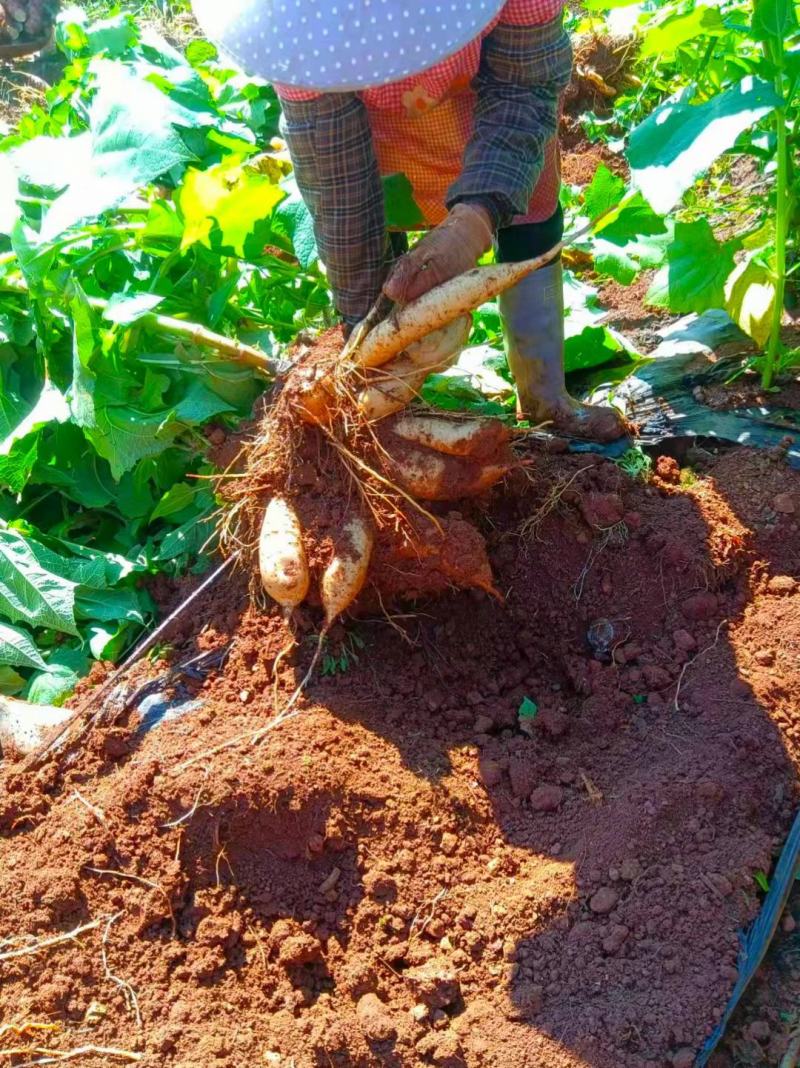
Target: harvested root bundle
x=338 y=479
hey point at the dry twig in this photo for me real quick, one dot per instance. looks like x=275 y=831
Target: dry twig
x=130 y=994
x=47 y=943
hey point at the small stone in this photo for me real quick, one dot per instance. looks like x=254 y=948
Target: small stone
x=435 y=983
x=784 y=503
x=709 y=790
x=788 y=923
x=316 y=843
x=522 y=775
x=490 y=772
x=604 y=900
x=374 y=1019
x=615 y=939
x=630 y=870
x=722 y=884
x=245 y=696
x=553 y=723
x=117 y=743
x=760 y=1031
x=449 y=844
x=419 y=1013
x=781 y=585
x=656 y=678
x=379 y=885
x=602 y=510
x=684 y=640
x=700 y=606
x=764 y=657
x=546 y=798
x=483 y=724
x=299 y=949
x=684 y=1058
x=526 y=1001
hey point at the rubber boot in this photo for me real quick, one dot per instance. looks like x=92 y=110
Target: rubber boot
x=533 y=322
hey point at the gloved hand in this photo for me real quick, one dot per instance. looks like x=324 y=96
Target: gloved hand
x=451 y=248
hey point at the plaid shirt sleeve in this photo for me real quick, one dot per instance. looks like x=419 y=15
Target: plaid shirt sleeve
x=330 y=142
x=522 y=73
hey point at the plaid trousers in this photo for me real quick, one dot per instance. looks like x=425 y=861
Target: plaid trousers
x=521 y=75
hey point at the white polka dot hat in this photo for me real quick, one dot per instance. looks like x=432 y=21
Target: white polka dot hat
x=345 y=44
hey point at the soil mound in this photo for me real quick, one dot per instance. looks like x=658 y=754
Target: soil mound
x=494 y=835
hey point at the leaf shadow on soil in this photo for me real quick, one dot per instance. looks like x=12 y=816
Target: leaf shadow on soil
x=630 y=825
x=565 y=897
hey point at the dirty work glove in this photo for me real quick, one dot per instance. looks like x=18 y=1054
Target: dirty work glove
x=453 y=247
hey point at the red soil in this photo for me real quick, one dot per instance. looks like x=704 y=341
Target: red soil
x=407 y=873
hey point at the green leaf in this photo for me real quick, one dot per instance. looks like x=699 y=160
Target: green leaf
x=108 y=605
x=750 y=294
x=594 y=346
x=135 y=140
x=679 y=141
x=107 y=642
x=186 y=540
x=11 y=682
x=175 y=500
x=30 y=590
x=126 y=308
x=401 y=209
x=18 y=649
x=663 y=39
x=20 y=449
x=53 y=686
x=761 y=881
x=224 y=206
x=293 y=219
x=604 y=192
x=774 y=20
x=697 y=268
x=528 y=709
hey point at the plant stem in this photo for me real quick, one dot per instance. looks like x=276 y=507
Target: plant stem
x=782 y=212
x=196 y=333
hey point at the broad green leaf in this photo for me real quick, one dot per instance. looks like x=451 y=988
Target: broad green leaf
x=189 y=538
x=135 y=139
x=750 y=298
x=665 y=38
x=51 y=407
x=11 y=682
x=53 y=686
x=199 y=404
x=18 y=649
x=180 y=496
x=603 y=193
x=29 y=591
x=696 y=270
x=225 y=205
x=108 y=606
x=774 y=20
x=293 y=219
x=106 y=641
x=679 y=141
x=401 y=209
x=126 y=308
x=19 y=451
x=17 y=464
x=594 y=346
